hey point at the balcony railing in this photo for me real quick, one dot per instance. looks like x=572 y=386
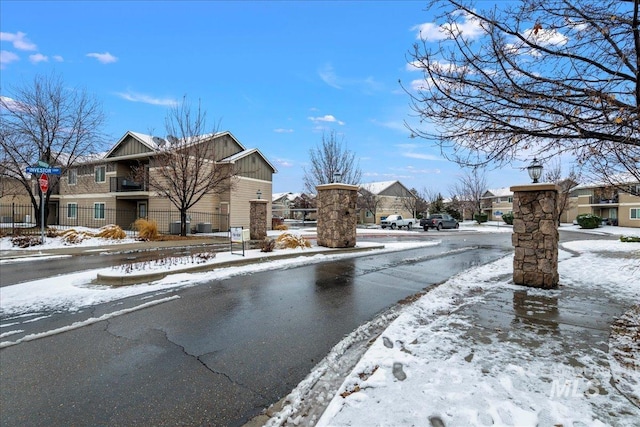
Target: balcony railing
x=604 y=201
x=119 y=184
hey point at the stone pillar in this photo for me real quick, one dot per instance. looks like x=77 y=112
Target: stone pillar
x=535 y=235
x=258 y=219
x=337 y=217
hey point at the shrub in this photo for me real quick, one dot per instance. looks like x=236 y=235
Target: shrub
x=147 y=230
x=479 y=218
x=588 y=221
x=281 y=227
x=111 y=231
x=289 y=241
x=630 y=239
x=25 y=241
x=73 y=237
x=508 y=218
x=267 y=245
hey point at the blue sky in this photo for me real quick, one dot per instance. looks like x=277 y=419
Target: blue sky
x=275 y=74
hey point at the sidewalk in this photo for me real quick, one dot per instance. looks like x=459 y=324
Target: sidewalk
x=480 y=351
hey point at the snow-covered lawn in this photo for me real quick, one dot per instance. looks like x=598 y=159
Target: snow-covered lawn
x=480 y=351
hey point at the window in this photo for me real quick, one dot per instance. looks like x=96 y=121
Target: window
x=100 y=173
x=368 y=214
x=510 y=199
x=634 y=213
x=98 y=211
x=73 y=176
x=72 y=210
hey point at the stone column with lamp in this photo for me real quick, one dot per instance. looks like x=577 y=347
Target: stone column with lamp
x=337 y=217
x=258 y=217
x=535 y=232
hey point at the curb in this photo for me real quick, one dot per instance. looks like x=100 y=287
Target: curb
x=128 y=279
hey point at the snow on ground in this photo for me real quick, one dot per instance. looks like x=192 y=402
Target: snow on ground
x=422 y=365
x=435 y=364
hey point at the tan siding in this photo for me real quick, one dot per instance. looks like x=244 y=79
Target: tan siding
x=628 y=202
x=130 y=146
x=254 y=166
x=225 y=146
x=245 y=191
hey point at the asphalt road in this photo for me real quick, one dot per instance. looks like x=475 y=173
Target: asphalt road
x=223 y=350
x=13 y=273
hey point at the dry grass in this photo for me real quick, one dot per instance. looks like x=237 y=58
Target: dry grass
x=281 y=227
x=73 y=237
x=267 y=245
x=147 y=230
x=111 y=231
x=289 y=241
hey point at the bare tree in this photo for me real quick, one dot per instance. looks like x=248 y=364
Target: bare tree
x=186 y=167
x=409 y=200
x=328 y=160
x=469 y=190
x=532 y=78
x=368 y=201
x=553 y=173
x=46 y=120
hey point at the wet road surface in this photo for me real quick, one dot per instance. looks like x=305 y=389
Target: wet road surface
x=223 y=350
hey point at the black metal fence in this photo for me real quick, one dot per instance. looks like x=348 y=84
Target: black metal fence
x=15 y=218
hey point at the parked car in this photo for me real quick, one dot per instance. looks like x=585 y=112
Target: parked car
x=439 y=221
x=396 y=221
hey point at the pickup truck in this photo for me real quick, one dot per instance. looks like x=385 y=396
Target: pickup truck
x=396 y=221
x=439 y=221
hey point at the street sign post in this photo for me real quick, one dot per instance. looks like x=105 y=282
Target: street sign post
x=48 y=171
x=44 y=170
x=44 y=182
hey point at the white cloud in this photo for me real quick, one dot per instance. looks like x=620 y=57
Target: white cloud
x=281 y=130
x=19 y=40
x=105 y=58
x=395 y=125
x=58 y=58
x=284 y=163
x=422 y=156
x=7 y=57
x=470 y=28
x=415 y=171
x=146 y=99
x=544 y=37
x=329 y=76
x=38 y=57
x=327 y=118
x=366 y=84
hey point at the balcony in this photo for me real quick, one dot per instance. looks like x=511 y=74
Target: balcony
x=604 y=201
x=119 y=184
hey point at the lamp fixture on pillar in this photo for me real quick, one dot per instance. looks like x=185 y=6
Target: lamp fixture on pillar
x=535 y=170
x=337 y=176
x=258 y=193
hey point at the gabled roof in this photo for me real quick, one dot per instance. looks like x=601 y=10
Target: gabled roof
x=378 y=187
x=146 y=140
x=497 y=192
x=289 y=196
x=234 y=158
x=154 y=143
x=622 y=178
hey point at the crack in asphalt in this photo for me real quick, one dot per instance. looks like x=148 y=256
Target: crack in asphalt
x=208 y=368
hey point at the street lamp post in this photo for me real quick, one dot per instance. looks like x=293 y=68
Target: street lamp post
x=259 y=194
x=337 y=176
x=535 y=170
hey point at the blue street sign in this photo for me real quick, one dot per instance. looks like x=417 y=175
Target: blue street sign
x=48 y=171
